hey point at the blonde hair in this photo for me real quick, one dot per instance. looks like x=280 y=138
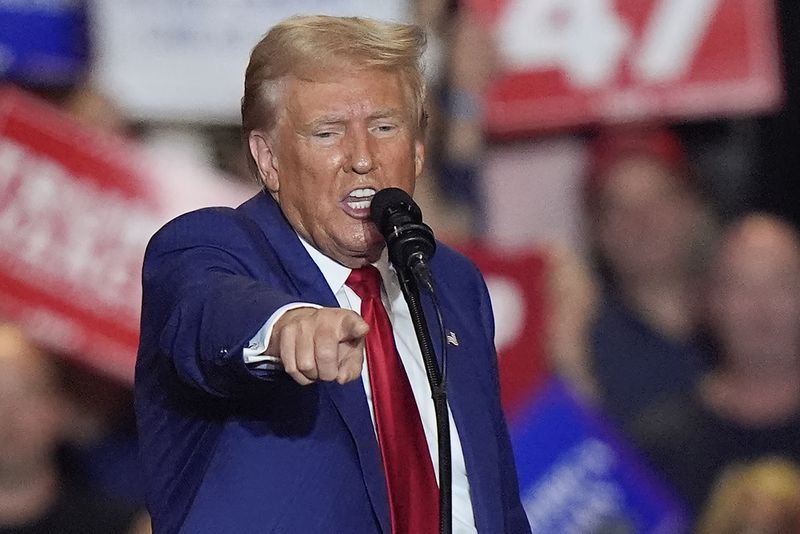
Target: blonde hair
x=310 y=46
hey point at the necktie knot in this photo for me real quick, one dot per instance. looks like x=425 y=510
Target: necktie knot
x=366 y=282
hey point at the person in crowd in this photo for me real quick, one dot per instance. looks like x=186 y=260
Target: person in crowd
x=748 y=405
x=36 y=494
x=458 y=66
x=91 y=108
x=257 y=407
x=627 y=334
x=760 y=497
x=101 y=443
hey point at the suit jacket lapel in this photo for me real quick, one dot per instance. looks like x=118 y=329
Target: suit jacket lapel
x=472 y=416
x=350 y=400
x=432 y=321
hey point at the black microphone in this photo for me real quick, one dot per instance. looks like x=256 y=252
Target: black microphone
x=409 y=240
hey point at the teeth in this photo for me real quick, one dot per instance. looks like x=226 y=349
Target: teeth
x=362 y=193
x=362 y=205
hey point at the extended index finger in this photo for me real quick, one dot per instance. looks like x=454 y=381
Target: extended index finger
x=353 y=327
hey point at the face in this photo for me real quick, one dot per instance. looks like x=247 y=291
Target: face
x=29 y=412
x=337 y=142
x=755 y=296
x=646 y=219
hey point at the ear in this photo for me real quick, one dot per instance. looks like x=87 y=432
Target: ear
x=419 y=158
x=261 y=148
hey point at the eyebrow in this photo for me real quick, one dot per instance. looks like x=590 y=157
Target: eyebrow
x=386 y=113
x=332 y=119
x=326 y=120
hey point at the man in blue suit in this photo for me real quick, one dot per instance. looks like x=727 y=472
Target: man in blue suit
x=332 y=112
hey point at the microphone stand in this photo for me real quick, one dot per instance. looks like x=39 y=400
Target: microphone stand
x=409 y=279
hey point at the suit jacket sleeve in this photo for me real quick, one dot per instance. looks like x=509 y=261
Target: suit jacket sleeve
x=208 y=286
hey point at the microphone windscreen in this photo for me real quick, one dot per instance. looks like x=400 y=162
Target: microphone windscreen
x=391 y=200
x=399 y=220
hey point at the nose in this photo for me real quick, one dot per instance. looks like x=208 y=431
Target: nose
x=362 y=151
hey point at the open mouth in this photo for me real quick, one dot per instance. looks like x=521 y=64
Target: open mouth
x=360 y=199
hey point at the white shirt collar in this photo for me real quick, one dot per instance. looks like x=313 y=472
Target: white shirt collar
x=335 y=273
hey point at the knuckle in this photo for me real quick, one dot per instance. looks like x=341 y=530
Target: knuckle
x=305 y=366
x=351 y=316
x=328 y=375
x=289 y=366
x=326 y=353
x=289 y=328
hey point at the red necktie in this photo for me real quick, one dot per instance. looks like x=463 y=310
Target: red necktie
x=412 y=488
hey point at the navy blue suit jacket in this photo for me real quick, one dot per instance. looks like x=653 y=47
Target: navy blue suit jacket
x=230 y=450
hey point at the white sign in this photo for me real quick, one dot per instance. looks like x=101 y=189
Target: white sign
x=589 y=39
x=184 y=60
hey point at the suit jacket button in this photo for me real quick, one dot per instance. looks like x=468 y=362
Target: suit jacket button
x=222 y=360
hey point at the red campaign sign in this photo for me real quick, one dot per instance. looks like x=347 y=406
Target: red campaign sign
x=77 y=208
x=516 y=283
x=75 y=215
x=575 y=62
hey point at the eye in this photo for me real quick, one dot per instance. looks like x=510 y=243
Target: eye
x=326 y=137
x=385 y=128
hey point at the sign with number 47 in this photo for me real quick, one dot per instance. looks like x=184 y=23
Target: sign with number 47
x=574 y=62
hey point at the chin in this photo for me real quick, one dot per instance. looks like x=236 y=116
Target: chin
x=370 y=249
x=369 y=239
x=356 y=253
x=374 y=253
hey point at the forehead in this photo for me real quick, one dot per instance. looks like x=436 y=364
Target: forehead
x=346 y=95
x=761 y=250
x=22 y=365
x=639 y=175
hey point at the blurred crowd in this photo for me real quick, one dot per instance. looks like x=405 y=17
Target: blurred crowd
x=681 y=324
x=685 y=330
x=58 y=427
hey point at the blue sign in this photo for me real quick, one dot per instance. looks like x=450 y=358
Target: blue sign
x=576 y=475
x=42 y=42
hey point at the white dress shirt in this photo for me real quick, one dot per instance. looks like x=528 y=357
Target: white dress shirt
x=407 y=346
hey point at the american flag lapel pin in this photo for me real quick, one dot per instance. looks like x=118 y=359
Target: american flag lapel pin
x=451 y=338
